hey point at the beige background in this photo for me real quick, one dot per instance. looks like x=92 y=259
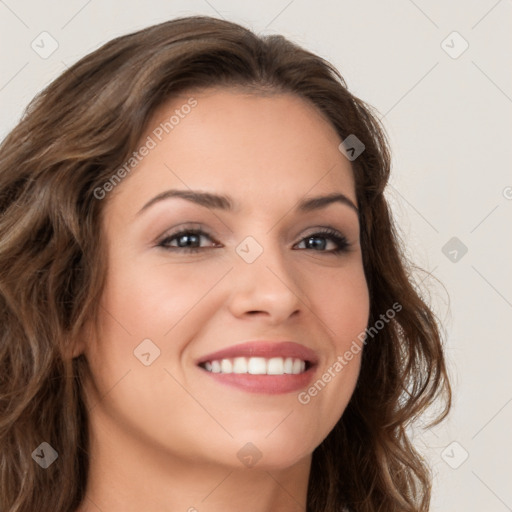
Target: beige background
x=449 y=121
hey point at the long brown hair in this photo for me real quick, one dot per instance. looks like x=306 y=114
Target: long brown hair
x=71 y=139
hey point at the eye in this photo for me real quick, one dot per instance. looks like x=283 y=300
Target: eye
x=317 y=241
x=187 y=240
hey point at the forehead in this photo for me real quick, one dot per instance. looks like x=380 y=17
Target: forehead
x=253 y=147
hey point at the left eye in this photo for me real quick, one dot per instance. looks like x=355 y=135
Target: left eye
x=189 y=241
x=319 y=241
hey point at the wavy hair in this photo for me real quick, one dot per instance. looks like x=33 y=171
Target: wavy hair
x=71 y=138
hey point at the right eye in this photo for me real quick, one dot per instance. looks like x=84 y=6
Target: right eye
x=187 y=240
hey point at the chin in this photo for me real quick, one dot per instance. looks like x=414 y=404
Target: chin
x=271 y=454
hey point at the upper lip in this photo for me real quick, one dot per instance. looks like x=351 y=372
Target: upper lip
x=263 y=348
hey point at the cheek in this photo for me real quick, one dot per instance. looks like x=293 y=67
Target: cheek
x=342 y=300
x=149 y=300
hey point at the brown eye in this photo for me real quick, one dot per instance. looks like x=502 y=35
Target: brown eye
x=187 y=240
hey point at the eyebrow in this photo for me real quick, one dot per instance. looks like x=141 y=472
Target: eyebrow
x=223 y=202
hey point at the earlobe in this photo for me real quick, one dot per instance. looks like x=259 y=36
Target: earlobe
x=74 y=347
x=77 y=349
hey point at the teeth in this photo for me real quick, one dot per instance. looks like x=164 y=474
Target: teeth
x=297 y=366
x=257 y=366
x=275 y=366
x=226 y=366
x=239 y=365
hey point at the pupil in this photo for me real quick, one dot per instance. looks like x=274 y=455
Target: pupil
x=314 y=242
x=185 y=240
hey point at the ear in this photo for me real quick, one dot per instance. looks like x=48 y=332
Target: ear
x=72 y=348
x=75 y=347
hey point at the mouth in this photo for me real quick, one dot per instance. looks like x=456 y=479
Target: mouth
x=257 y=366
x=262 y=366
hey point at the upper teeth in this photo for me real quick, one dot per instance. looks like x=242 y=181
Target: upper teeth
x=257 y=365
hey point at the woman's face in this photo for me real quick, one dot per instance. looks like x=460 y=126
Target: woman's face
x=189 y=278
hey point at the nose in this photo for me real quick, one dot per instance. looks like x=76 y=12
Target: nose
x=267 y=287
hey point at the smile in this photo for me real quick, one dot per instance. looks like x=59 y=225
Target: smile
x=262 y=366
x=257 y=366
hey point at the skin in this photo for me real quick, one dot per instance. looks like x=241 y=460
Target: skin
x=166 y=436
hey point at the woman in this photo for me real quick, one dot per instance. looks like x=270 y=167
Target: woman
x=204 y=304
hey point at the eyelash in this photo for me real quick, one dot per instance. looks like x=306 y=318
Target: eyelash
x=328 y=233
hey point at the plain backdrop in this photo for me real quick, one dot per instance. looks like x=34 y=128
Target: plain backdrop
x=439 y=73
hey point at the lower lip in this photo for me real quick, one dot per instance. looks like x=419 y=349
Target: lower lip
x=266 y=384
